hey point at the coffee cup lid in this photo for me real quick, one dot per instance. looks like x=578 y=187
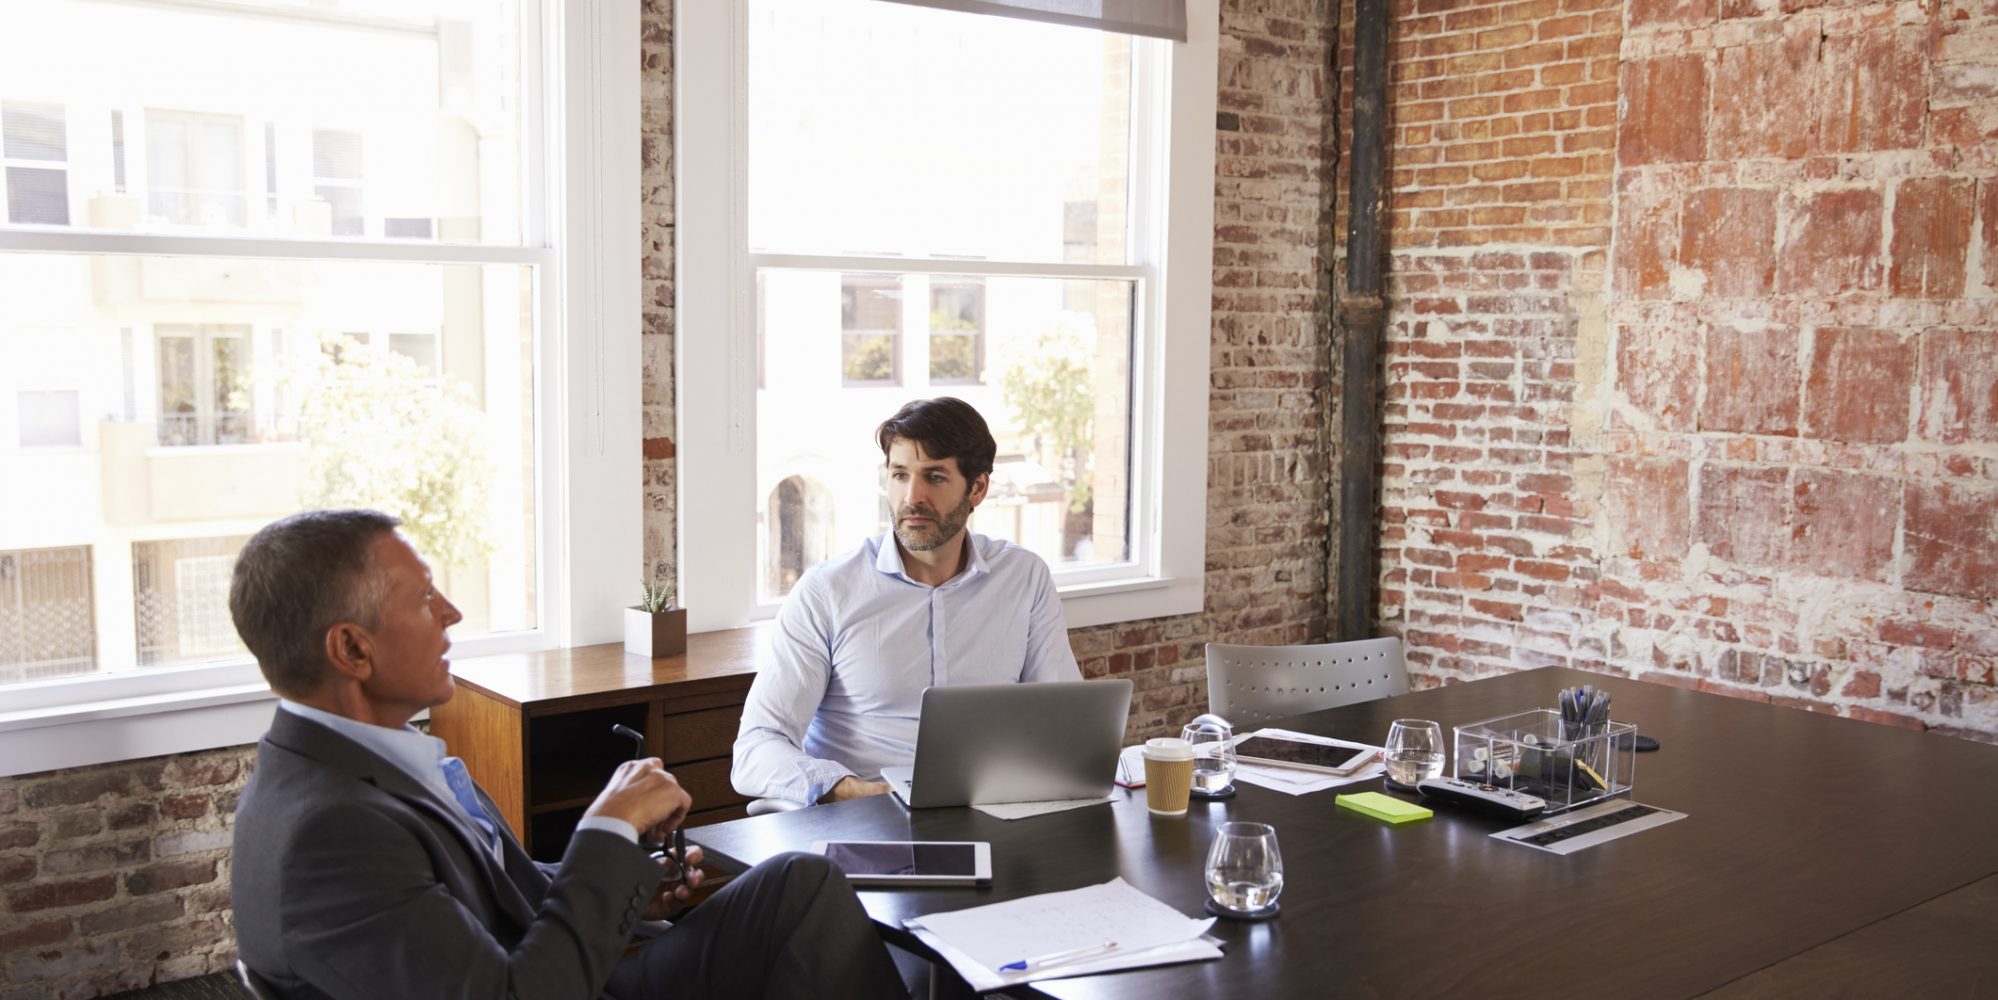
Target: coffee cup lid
x=1168 y=748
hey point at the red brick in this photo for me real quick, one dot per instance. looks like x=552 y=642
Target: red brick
x=1951 y=544
x=1646 y=233
x=1665 y=102
x=1658 y=371
x=169 y=875
x=19 y=834
x=1959 y=400
x=1762 y=99
x=1874 y=90
x=1729 y=234
x=1752 y=381
x=1743 y=513
x=1834 y=242
x=1988 y=205
x=1844 y=524
x=129 y=915
x=1648 y=13
x=1932 y=217
x=1884 y=718
x=66 y=892
x=1858 y=386
x=1862 y=684
x=36 y=935
x=1647 y=501
x=16 y=869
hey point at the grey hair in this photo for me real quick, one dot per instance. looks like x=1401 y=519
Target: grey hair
x=297 y=578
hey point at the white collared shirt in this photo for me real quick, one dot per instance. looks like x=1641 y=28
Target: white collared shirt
x=858 y=640
x=419 y=756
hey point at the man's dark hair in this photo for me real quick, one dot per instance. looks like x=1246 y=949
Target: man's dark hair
x=945 y=427
x=298 y=577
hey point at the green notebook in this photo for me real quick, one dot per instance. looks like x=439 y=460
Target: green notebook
x=1385 y=807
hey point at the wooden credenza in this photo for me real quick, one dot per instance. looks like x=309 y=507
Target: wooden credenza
x=534 y=729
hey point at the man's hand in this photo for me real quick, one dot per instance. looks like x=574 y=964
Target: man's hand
x=675 y=892
x=643 y=794
x=851 y=787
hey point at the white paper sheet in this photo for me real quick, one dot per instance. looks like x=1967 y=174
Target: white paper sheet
x=1022 y=810
x=979 y=940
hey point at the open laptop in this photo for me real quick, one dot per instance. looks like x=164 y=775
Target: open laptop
x=990 y=743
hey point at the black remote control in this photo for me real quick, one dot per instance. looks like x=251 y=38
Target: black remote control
x=1490 y=798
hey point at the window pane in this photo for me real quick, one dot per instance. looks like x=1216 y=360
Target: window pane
x=244 y=414
x=46 y=628
x=50 y=419
x=870 y=324
x=957 y=331
x=33 y=131
x=430 y=90
x=882 y=128
x=38 y=196
x=1057 y=397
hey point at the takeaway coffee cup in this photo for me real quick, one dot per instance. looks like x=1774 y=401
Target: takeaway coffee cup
x=1168 y=775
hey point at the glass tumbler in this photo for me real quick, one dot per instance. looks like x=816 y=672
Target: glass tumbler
x=1213 y=742
x=1244 y=870
x=1414 y=752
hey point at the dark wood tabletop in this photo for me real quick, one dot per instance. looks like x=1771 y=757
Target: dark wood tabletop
x=1802 y=829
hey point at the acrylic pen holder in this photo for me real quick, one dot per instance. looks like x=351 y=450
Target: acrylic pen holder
x=1566 y=764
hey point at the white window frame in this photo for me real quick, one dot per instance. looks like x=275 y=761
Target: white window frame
x=582 y=230
x=715 y=304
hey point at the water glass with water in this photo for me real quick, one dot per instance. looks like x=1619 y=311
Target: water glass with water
x=1213 y=742
x=1244 y=870
x=1414 y=751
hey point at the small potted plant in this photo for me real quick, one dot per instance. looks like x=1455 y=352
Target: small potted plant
x=655 y=627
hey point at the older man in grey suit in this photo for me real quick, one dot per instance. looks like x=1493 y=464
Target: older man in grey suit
x=367 y=863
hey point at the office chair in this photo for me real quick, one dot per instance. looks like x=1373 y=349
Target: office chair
x=255 y=984
x=1251 y=685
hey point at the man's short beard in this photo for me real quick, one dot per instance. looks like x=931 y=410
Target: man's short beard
x=947 y=527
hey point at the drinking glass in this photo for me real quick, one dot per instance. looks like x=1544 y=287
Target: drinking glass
x=1244 y=870
x=1414 y=751
x=1213 y=742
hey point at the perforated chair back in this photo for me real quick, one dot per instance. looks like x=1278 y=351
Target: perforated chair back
x=255 y=984
x=1251 y=685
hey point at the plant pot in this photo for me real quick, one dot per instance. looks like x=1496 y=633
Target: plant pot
x=655 y=634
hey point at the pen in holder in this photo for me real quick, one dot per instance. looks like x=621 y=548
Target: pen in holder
x=1561 y=756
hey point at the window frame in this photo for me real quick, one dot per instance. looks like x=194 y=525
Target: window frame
x=580 y=176
x=1173 y=167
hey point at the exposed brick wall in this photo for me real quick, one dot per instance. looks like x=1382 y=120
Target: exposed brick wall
x=1747 y=441
x=117 y=876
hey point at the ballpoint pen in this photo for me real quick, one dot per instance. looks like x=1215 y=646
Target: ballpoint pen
x=1059 y=958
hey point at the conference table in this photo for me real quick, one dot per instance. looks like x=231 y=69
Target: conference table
x=1820 y=856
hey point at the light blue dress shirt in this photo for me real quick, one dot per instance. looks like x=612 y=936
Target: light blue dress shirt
x=421 y=757
x=856 y=643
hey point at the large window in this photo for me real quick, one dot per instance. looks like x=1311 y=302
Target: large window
x=931 y=202
x=193 y=353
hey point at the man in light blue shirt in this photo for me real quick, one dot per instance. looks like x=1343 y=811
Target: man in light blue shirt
x=927 y=603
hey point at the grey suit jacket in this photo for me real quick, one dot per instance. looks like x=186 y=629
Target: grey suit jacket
x=350 y=879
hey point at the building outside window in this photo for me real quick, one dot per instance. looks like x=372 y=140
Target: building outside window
x=957 y=332
x=204 y=385
x=34 y=146
x=870 y=327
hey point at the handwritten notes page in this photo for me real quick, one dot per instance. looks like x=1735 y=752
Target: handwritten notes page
x=1146 y=931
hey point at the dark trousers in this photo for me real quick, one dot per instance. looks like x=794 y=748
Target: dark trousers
x=789 y=927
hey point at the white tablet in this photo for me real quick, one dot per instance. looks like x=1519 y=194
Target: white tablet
x=910 y=862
